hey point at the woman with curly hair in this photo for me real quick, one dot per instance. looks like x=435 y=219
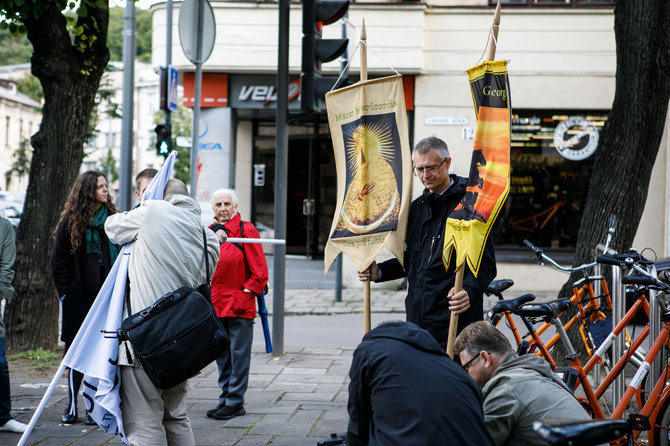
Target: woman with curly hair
x=82 y=257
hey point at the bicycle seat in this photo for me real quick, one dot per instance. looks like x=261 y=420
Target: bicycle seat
x=567 y=432
x=560 y=305
x=536 y=310
x=511 y=305
x=498 y=286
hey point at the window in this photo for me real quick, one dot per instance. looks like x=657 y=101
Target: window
x=554 y=3
x=551 y=162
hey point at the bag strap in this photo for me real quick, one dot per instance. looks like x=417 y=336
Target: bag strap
x=127 y=296
x=240 y=246
x=204 y=251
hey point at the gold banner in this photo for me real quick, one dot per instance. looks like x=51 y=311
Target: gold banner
x=469 y=224
x=368 y=126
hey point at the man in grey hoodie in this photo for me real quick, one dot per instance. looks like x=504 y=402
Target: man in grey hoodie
x=517 y=390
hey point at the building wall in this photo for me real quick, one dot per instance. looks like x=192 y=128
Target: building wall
x=109 y=128
x=559 y=58
x=20 y=118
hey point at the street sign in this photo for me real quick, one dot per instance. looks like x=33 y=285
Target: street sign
x=173 y=82
x=188 y=29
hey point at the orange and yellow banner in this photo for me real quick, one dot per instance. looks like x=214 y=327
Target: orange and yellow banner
x=469 y=224
x=368 y=127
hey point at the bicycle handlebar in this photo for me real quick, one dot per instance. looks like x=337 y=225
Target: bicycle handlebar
x=624 y=260
x=646 y=281
x=542 y=257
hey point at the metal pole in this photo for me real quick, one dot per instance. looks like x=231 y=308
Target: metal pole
x=168 y=53
x=126 y=162
x=344 y=60
x=195 y=132
x=654 y=330
x=619 y=304
x=281 y=167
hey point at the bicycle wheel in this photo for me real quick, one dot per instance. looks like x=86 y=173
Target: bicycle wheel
x=662 y=428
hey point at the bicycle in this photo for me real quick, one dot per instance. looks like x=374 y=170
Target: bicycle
x=656 y=406
x=594 y=319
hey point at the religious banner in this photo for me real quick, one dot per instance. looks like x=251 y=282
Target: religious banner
x=470 y=223
x=368 y=127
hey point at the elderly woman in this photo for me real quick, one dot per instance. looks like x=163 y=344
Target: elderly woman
x=240 y=275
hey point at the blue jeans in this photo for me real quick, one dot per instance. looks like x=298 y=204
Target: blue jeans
x=234 y=363
x=5 y=401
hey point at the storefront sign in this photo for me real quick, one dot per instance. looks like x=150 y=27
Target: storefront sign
x=260 y=92
x=446 y=120
x=214 y=156
x=576 y=138
x=214 y=91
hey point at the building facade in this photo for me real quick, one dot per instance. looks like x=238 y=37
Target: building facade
x=20 y=117
x=562 y=65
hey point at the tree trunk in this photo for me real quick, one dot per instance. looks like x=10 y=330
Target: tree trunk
x=632 y=135
x=70 y=75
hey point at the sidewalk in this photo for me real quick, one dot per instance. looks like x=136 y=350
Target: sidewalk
x=296 y=399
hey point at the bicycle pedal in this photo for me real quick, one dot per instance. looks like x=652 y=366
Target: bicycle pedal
x=639 y=422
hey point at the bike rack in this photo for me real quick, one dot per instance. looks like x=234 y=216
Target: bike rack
x=618 y=347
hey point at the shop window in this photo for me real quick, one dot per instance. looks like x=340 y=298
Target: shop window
x=551 y=162
x=552 y=3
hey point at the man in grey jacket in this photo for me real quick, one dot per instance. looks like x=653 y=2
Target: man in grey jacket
x=517 y=390
x=7 y=257
x=167 y=254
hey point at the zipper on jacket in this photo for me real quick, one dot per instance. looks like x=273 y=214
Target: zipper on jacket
x=430 y=253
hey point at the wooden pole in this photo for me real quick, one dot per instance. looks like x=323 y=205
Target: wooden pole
x=366 y=285
x=460 y=271
x=453 y=320
x=364 y=54
x=493 y=38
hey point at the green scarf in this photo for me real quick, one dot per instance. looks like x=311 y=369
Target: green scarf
x=93 y=243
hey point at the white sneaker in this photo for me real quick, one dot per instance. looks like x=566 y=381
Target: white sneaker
x=14 y=426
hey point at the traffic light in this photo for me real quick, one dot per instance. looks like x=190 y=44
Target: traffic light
x=315 y=50
x=163 y=139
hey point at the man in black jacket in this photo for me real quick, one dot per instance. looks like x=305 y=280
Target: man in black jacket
x=404 y=390
x=430 y=295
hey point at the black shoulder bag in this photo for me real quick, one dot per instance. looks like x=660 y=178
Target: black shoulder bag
x=178 y=335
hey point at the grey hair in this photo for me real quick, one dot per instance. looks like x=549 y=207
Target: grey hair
x=229 y=192
x=432 y=143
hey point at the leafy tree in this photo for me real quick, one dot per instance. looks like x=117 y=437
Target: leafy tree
x=21 y=164
x=69 y=57
x=14 y=49
x=31 y=87
x=109 y=166
x=632 y=135
x=143 y=26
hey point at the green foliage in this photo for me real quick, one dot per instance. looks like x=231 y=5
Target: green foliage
x=14 y=49
x=109 y=166
x=31 y=87
x=21 y=164
x=40 y=359
x=143 y=29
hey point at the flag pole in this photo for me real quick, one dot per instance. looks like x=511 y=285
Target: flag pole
x=42 y=405
x=364 y=76
x=460 y=271
x=493 y=36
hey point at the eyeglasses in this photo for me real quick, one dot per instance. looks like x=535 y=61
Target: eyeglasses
x=466 y=366
x=418 y=171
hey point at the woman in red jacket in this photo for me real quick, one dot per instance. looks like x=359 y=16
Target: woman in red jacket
x=240 y=275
